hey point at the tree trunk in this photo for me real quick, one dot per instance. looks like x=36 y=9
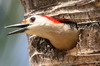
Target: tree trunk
x=87 y=51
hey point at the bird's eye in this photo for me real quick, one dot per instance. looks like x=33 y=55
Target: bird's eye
x=32 y=19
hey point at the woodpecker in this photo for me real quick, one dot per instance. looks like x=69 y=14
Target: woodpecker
x=62 y=33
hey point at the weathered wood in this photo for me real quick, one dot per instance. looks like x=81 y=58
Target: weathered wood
x=87 y=51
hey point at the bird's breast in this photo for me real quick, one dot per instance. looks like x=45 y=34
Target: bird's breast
x=64 y=41
x=63 y=37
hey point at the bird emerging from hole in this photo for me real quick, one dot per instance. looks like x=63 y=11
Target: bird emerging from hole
x=62 y=33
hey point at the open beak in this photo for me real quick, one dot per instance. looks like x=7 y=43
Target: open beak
x=22 y=26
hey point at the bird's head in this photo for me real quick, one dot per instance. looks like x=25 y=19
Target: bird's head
x=32 y=24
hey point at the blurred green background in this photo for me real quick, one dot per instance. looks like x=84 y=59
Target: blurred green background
x=13 y=49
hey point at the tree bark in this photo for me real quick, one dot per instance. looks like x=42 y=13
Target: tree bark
x=87 y=51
